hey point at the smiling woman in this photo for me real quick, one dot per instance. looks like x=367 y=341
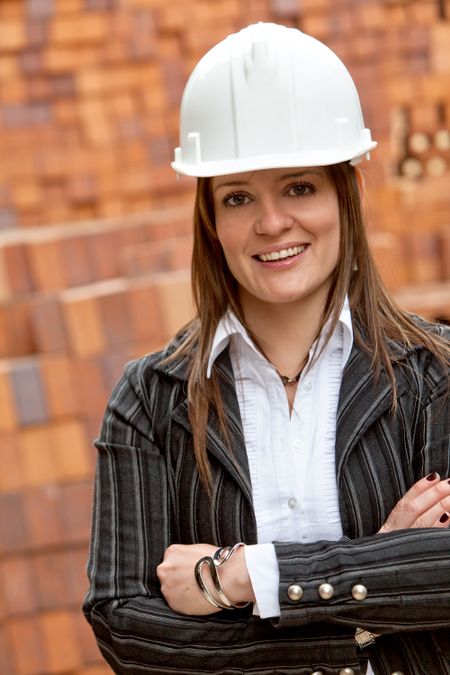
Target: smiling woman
x=272 y=491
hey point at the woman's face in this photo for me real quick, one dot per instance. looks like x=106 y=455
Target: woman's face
x=279 y=230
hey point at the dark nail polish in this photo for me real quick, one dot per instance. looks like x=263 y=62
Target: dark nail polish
x=432 y=476
x=448 y=481
x=444 y=518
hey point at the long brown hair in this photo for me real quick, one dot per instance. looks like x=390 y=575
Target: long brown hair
x=376 y=317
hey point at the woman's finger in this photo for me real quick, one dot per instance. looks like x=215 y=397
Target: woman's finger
x=421 y=506
x=437 y=516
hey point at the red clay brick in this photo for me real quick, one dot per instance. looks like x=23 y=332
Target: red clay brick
x=83 y=324
x=387 y=250
x=31 y=406
x=11 y=476
x=6 y=664
x=18 y=583
x=36 y=456
x=104 y=252
x=17 y=268
x=70 y=450
x=47 y=265
x=75 y=505
x=89 y=385
x=12 y=36
x=14 y=531
x=32 y=660
x=41 y=506
x=80 y=28
x=423 y=256
x=83 y=189
x=8 y=417
x=62 y=650
x=60 y=578
x=57 y=375
x=115 y=317
x=440 y=37
x=170 y=254
x=175 y=299
x=445 y=251
x=17 y=324
x=78 y=266
x=48 y=329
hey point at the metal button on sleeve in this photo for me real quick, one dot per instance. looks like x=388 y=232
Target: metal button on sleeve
x=359 y=592
x=317 y=672
x=398 y=672
x=347 y=671
x=326 y=591
x=295 y=592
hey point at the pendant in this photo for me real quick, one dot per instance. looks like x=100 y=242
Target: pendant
x=289 y=380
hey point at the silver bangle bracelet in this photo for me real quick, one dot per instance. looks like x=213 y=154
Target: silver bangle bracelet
x=221 y=556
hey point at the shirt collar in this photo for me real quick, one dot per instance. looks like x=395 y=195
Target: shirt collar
x=230 y=325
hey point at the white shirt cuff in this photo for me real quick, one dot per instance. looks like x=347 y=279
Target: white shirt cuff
x=262 y=566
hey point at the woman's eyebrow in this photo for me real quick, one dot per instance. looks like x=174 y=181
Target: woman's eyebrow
x=298 y=174
x=232 y=183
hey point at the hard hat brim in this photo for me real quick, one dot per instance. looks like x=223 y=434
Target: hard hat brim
x=304 y=159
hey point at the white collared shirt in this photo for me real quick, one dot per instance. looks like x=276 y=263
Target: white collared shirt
x=291 y=456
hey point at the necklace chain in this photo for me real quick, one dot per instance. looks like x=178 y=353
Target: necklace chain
x=289 y=380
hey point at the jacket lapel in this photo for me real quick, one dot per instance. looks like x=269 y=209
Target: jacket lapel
x=362 y=401
x=236 y=462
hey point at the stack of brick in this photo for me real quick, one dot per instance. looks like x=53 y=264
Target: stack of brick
x=95 y=242
x=77 y=302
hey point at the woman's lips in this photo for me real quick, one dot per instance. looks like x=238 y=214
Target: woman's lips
x=282 y=253
x=282 y=257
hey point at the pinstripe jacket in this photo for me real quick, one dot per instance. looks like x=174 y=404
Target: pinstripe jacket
x=148 y=495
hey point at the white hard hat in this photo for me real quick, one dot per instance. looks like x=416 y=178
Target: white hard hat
x=269 y=97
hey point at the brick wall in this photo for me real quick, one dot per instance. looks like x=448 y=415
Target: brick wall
x=95 y=241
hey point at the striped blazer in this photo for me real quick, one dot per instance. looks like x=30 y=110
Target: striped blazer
x=148 y=495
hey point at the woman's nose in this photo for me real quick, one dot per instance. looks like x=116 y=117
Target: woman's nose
x=271 y=219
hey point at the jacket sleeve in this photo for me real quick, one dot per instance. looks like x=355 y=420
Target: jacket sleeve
x=135 y=629
x=406 y=573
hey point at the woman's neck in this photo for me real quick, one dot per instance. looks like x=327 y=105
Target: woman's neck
x=285 y=332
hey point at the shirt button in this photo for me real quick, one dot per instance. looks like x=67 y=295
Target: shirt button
x=298 y=443
x=292 y=502
x=307 y=385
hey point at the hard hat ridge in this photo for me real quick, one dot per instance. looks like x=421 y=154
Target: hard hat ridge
x=257 y=52
x=269 y=97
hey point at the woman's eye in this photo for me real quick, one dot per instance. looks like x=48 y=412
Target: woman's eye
x=301 y=190
x=236 y=199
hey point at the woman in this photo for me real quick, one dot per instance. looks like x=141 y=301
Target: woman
x=300 y=421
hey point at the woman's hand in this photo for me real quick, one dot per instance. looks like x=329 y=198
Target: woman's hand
x=426 y=504
x=180 y=589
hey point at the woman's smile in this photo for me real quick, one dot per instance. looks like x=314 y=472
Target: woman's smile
x=281 y=256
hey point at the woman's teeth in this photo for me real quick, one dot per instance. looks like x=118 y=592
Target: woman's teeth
x=279 y=255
